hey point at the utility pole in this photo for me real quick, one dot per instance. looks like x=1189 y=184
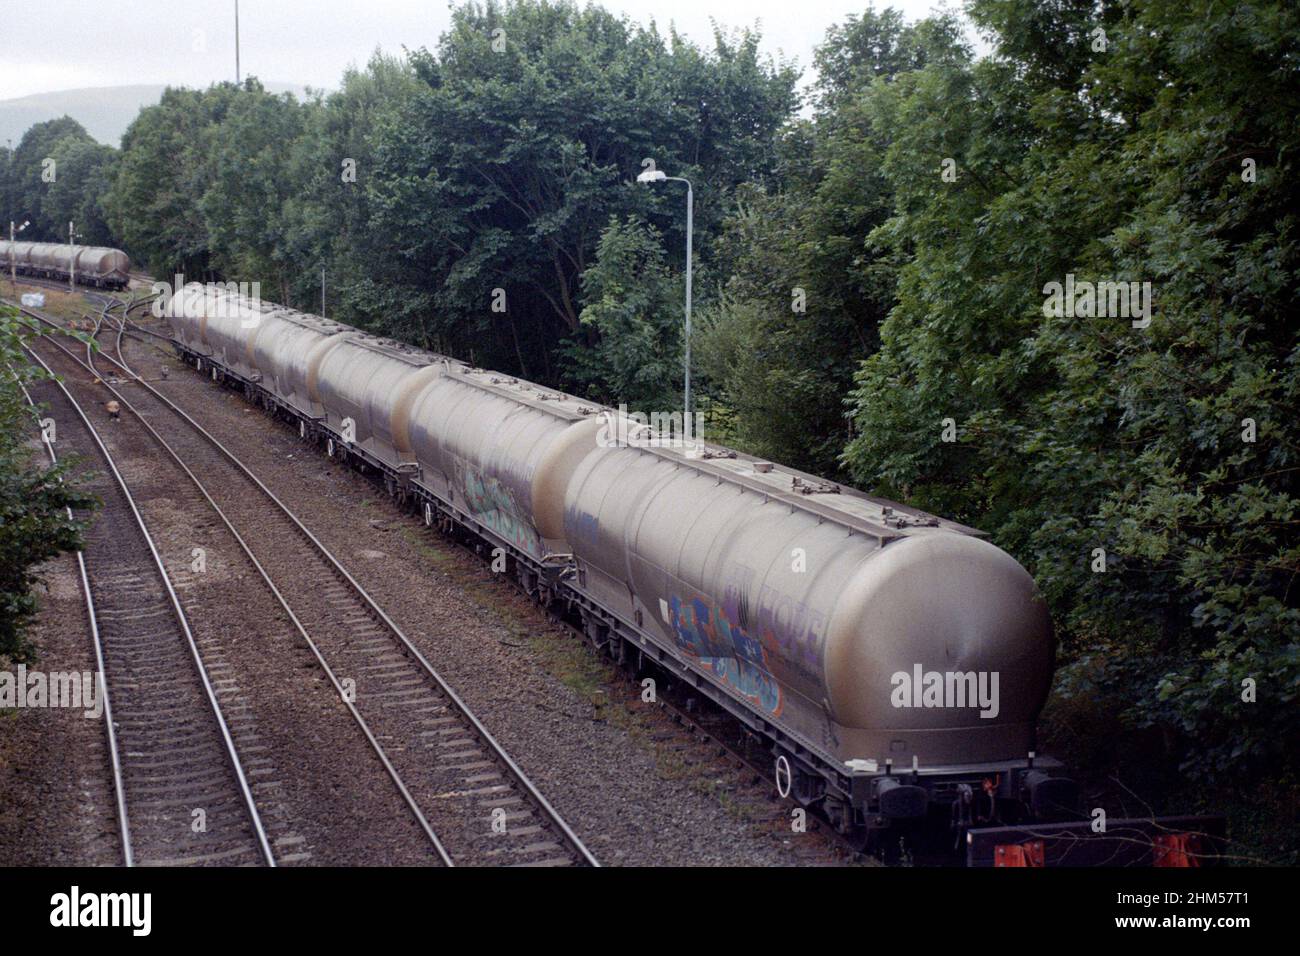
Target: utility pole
x=236 y=42
x=13 y=253
x=322 y=293
x=72 y=259
x=690 y=231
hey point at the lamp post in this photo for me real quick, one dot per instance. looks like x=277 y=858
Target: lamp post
x=658 y=176
x=13 y=265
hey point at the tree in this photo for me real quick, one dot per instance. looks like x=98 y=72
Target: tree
x=328 y=218
x=633 y=304
x=8 y=188
x=1145 y=473
x=806 y=291
x=85 y=171
x=248 y=183
x=456 y=197
x=164 y=171
x=533 y=121
x=43 y=187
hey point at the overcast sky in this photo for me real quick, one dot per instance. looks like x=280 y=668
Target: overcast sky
x=50 y=45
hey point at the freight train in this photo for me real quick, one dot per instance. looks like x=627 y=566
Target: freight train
x=893 y=662
x=94 y=265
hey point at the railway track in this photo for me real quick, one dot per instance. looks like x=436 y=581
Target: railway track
x=473 y=802
x=182 y=795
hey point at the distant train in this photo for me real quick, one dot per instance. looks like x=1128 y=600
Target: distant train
x=94 y=265
x=894 y=662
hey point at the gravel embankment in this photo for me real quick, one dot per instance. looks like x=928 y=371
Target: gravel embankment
x=56 y=796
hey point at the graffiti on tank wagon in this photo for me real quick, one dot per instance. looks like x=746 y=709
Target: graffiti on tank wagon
x=582 y=526
x=791 y=630
x=723 y=648
x=493 y=504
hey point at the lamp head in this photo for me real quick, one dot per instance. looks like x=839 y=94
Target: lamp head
x=652 y=176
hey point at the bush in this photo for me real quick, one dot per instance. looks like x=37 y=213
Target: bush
x=34 y=523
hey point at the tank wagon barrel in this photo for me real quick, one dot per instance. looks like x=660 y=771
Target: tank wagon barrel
x=94 y=265
x=894 y=662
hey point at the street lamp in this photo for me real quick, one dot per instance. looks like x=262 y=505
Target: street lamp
x=658 y=176
x=13 y=267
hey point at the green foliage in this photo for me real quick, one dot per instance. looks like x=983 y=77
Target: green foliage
x=34 y=525
x=165 y=169
x=1083 y=433
x=633 y=317
x=8 y=189
x=492 y=162
x=513 y=159
x=873 y=45
x=86 y=169
x=248 y=181
x=57 y=173
x=806 y=293
x=328 y=218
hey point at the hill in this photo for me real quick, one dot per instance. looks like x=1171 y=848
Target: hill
x=104 y=111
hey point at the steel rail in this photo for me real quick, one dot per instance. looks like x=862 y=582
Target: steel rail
x=311 y=644
x=115 y=759
x=530 y=790
x=245 y=791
